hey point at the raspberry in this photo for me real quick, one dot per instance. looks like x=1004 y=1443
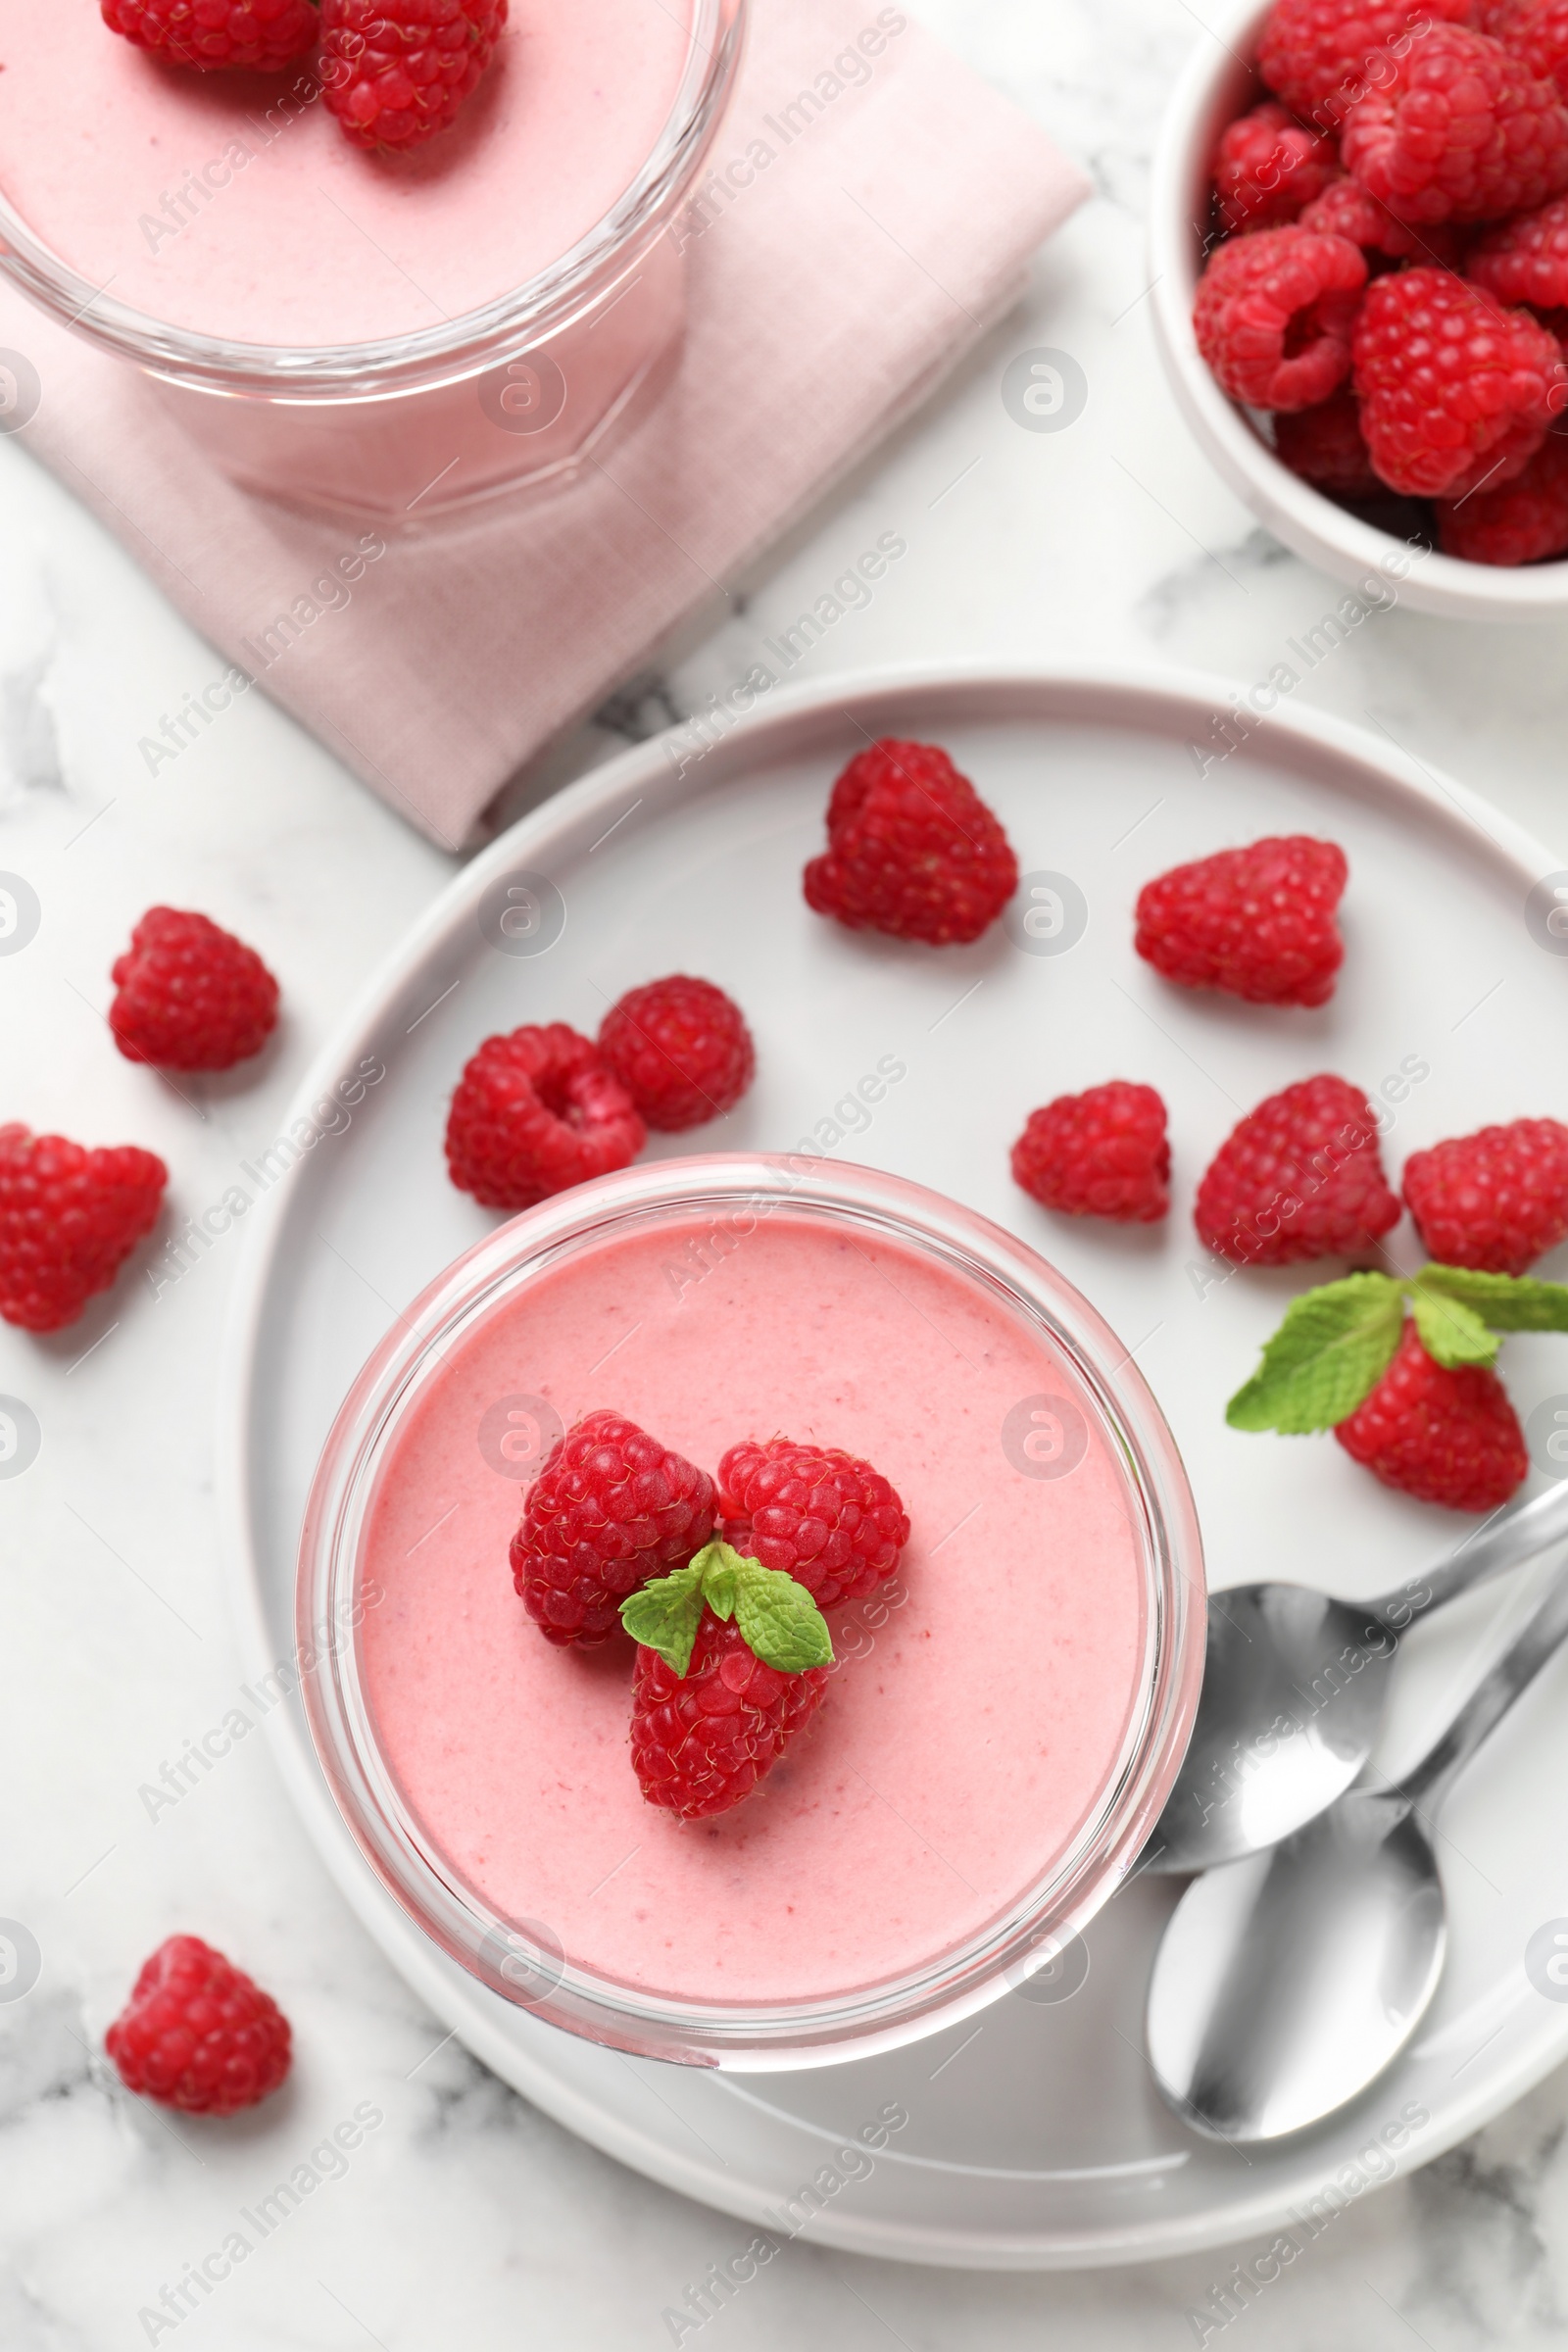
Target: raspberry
x=1345 y=210
x=1460 y=130
x=1274 y=315
x=190 y=996
x=1268 y=166
x=69 y=1217
x=535 y=1112
x=681 y=1049
x=1526 y=260
x=1535 y=32
x=1496 y=1200
x=912 y=849
x=826 y=1518
x=1444 y=1436
x=1103 y=1154
x=1519 y=522
x=1313 y=53
x=1256 y=922
x=197 y=2034
x=1325 y=446
x=611 y=1508
x=264 y=35
x=1444 y=375
x=701 y=1740
x=1299 y=1177
x=396 y=72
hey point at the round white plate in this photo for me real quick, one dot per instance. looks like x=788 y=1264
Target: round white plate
x=1032 y=2136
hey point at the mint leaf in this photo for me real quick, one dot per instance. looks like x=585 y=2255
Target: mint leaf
x=1332 y=1349
x=780 y=1621
x=1503 y=1301
x=1451 y=1333
x=665 y=1615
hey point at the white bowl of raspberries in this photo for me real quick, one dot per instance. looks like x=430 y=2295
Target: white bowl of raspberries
x=1360 y=247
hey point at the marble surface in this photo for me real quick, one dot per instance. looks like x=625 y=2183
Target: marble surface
x=466 y=2217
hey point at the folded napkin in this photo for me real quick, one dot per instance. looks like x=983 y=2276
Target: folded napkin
x=889 y=227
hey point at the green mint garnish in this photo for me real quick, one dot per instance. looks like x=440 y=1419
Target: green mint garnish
x=777 y=1618
x=1335 y=1342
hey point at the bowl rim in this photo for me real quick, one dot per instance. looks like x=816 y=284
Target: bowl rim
x=1310 y=524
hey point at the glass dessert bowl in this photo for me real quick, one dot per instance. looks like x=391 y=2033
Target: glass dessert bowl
x=1004 y=1720
x=385 y=335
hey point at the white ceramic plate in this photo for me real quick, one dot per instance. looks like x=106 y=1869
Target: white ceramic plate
x=1032 y=2136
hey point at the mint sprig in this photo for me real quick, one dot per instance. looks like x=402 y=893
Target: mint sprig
x=778 y=1619
x=1337 y=1342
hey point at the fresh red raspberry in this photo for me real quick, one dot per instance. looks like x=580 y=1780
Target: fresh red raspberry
x=1444 y=1436
x=68 y=1218
x=1345 y=210
x=1300 y=1177
x=609 y=1509
x=1325 y=446
x=1496 y=1200
x=1444 y=375
x=1314 y=52
x=823 y=1516
x=1460 y=130
x=536 y=1113
x=262 y=36
x=396 y=72
x=1535 y=32
x=1268 y=166
x=912 y=849
x=197 y=2034
x=681 y=1049
x=1274 y=315
x=190 y=996
x=701 y=1740
x=1101 y=1154
x=1526 y=259
x=1518 y=521
x=1256 y=922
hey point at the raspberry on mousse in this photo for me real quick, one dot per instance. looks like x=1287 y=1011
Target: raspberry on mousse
x=260 y=36
x=611 y=1508
x=397 y=71
x=822 y=1516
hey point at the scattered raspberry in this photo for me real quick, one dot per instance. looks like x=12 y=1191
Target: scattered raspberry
x=1444 y=375
x=396 y=72
x=1345 y=210
x=1444 y=1436
x=535 y=1112
x=1268 y=166
x=190 y=996
x=1526 y=260
x=264 y=35
x=1274 y=316
x=1520 y=521
x=1535 y=32
x=1458 y=130
x=1300 y=1177
x=681 y=1049
x=611 y=1508
x=197 y=2034
x=825 y=1518
x=1496 y=1200
x=68 y=1218
x=912 y=849
x=1101 y=1154
x=1313 y=53
x=1256 y=922
x=701 y=1742
x=1326 y=447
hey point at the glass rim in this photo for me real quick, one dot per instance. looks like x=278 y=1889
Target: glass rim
x=422 y=357
x=750 y=2035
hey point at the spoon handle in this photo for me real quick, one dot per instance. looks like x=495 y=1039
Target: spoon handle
x=1430 y=1780
x=1517 y=1535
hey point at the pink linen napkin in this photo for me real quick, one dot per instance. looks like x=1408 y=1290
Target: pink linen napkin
x=890 y=226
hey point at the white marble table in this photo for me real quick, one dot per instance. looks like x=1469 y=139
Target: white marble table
x=467 y=2218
